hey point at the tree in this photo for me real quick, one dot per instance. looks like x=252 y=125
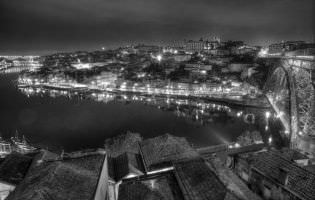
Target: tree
x=248 y=138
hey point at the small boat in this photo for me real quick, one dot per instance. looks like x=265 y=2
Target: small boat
x=21 y=144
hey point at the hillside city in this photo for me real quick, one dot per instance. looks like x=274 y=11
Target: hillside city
x=188 y=78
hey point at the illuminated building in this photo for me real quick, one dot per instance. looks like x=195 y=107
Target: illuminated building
x=5 y=148
x=194 y=46
x=202 y=45
x=26 y=62
x=197 y=66
x=182 y=57
x=4 y=63
x=280 y=48
x=80 y=65
x=244 y=50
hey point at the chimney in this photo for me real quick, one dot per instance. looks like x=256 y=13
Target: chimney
x=283 y=176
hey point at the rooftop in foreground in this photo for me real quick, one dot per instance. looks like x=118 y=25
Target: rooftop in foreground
x=161 y=151
x=70 y=178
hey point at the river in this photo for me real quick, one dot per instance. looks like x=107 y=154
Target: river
x=63 y=120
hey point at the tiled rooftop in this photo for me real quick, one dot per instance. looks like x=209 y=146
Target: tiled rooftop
x=14 y=168
x=68 y=179
x=230 y=196
x=138 y=191
x=231 y=180
x=160 y=151
x=300 y=180
x=162 y=187
x=198 y=181
x=292 y=154
x=123 y=143
x=310 y=168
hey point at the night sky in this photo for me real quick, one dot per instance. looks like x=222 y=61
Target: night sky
x=45 y=26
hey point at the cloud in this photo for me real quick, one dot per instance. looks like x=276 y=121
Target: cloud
x=70 y=24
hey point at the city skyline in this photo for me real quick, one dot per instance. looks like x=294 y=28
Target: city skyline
x=43 y=27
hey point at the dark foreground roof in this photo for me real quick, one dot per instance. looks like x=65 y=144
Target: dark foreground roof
x=231 y=196
x=126 y=163
x=310 y=168
x=67 y=179
x=14 y=168
x=160 y=151
x=198 y=181
x=300 y=180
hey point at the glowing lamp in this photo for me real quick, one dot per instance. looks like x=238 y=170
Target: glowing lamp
x=267 y=114
x=159 y=57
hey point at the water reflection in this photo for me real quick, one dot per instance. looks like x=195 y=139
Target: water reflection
x=203 y=112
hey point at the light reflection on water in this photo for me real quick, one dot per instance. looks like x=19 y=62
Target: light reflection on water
x=204 y=113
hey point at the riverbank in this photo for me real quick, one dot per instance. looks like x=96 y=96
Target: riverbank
x=260 y=102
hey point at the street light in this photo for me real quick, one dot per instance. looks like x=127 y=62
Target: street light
x=270 y=140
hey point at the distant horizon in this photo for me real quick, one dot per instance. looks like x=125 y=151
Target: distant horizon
x=111 y=47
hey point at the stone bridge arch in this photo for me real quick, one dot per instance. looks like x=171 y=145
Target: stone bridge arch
x=290 y=90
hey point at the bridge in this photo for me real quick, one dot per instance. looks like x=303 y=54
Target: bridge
x=290 y=90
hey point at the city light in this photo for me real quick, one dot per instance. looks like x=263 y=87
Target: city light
x=159 y=57
x=238 y=114
x=280 y=114
x=270 y=140
x=267 y=114
x=203 y=72
x=300 y=133
x=263 y=52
